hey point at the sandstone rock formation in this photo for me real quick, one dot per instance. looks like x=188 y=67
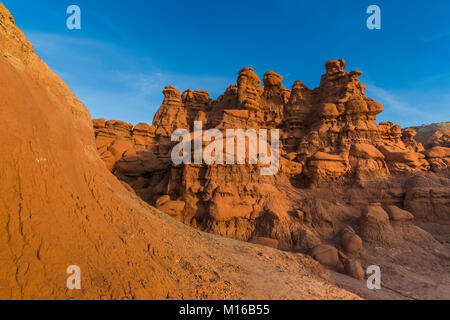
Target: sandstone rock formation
x=374 y=224
x=60 y=206
x=327 y=255
x=350 y=241
x=354 y=269
x=339 y=170
x=434 y=135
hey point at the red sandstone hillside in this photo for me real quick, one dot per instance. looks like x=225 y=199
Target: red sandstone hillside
x=60 y=206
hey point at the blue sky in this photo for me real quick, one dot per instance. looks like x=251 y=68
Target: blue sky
x=127 y=51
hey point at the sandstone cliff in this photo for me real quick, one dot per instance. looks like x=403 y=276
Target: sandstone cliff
x=342 y=176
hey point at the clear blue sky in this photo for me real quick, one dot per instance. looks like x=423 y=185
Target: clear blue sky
x=127 y=51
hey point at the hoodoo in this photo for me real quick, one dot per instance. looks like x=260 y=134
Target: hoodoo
x=340 y=173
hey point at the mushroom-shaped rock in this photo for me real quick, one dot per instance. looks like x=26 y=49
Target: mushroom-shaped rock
x=248 y=77
x=409 y=133
x=374 y=224
x=396 y=131
x=334 y=66
x=272 y=79
x=374 y=107
x=171 y=95
x=355 y=74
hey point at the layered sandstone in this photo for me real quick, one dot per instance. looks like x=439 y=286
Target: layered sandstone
x=339 y=171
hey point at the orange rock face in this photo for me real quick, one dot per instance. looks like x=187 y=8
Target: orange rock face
x=335 y=161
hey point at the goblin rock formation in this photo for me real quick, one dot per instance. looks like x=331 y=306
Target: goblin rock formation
x=328 y=134
x=344 y=180
x=60 y=206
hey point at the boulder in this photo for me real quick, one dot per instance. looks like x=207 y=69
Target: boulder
x=354 y=269
x=350 y=241
x=374 y=224
x=327 y=255
x=397 y=214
